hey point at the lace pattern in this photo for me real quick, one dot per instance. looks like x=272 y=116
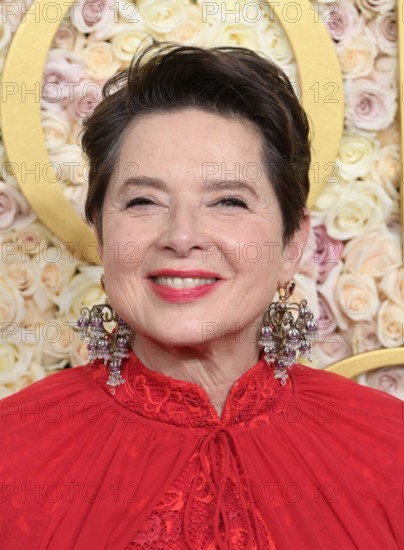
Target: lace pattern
x=211 y=504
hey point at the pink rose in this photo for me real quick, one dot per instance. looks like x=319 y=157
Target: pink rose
x=364 y=337
x=370 y=107
x=13 y=12
x=63 y=72
x=333 y=349
x=384 y=28
x=94 y=16
x=326 y=323
x=327 y=252
x=14 y=210
x=87 y=95
x=65 y=37
x=342 y=20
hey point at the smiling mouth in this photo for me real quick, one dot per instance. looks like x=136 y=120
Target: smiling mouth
x=183 y=282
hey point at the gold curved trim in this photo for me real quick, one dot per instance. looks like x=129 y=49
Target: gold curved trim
x=22 y=126
x=365 y=362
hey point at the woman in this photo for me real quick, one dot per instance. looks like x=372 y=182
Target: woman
x=189 y=429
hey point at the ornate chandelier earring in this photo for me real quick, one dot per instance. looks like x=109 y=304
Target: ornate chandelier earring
x=111 y=346
x=287 y=332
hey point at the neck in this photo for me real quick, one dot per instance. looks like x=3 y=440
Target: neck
x=214 y=366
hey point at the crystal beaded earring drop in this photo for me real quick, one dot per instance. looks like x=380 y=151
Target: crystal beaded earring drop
x=287 y=332
x=112 y=346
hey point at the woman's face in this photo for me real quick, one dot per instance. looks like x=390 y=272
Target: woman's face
x=167 y=208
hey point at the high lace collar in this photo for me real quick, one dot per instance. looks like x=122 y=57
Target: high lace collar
x=254 y=399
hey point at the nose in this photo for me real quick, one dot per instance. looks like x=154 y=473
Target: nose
x=182 y=232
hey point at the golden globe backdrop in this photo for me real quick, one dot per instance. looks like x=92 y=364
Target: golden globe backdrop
x=351 y=273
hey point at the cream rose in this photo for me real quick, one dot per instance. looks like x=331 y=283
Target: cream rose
x=357 y=296
x=306 y=290
x=392 y=285
x=34 y=373
x=21 y=275
x=5 y=31
x=15 y=212
x=78 y=352
x=357 y=56
x=94 y=16
x=236 y=34
x=384 y=74
x=386 y=169
x=364 y=337
x=360 y=206
x=390 y=325
x=273 y=39
x=15 y=358
x=32 y=240
x=100 y=60
x=356 y=155
x=370 y=106
x=373 y=253
x=56 y=130
x=84 y=290
x=56 y=275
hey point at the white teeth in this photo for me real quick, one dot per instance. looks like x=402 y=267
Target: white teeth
x=179 y=282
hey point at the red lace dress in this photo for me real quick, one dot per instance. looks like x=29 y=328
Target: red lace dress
x=315 y=464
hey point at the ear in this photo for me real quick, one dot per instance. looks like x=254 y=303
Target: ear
x=293 y=250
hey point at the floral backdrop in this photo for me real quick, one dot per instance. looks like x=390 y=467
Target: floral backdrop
x=351 y=272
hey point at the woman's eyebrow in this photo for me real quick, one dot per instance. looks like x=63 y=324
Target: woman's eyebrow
x=211 y=185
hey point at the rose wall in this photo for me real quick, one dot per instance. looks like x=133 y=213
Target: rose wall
x=351 y=273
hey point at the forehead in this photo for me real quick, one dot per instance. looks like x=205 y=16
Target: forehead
x=188 y=140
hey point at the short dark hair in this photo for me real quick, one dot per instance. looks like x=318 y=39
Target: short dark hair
x=229 y=81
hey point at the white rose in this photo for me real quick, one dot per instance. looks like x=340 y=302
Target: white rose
x=69 y=164
x=356 y=155
x=373 y=253
x=370 y=106
x=392 y=285
x=236 y=34
x=34 y=373
x=161 y=16
x=15 y=358
x=364 y=337
x=100 y=60
x=12 y=309
x=360 y=206
x=191 y=29
x=85 y=290
x=357 y=296
x=54 y=276
x=370 y=8
x=57 y=338
x=56 y=130
x=327 y=198
x=357 y=57
x=384 y=74
x=5 y=32
x=386 y=169
x=15 y=212
x=390 y=325
x=126 y=41
x=273 y=40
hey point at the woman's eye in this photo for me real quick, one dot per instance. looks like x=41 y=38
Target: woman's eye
x=232 y=201
x=139 y=201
